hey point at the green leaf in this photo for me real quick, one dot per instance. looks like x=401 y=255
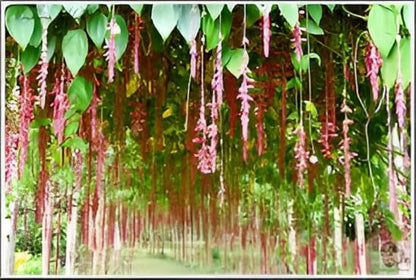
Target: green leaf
x=238 y=61
x=164 y=17
x=389 y=68
x=92 y=8
x=253 y=14
x=315 y=11
x=47 y=13
x=311 y=27
x=36 y=37
x=20 y=23
x=137 y=8
x=295 y=62
x=80 y=93
x=189 y=21
x=226 y=22
x=211 y=28
x=294 y=83
x=214 y=10
x=51 y=47
x=408 y=19
x=231 y=7
x=75 y=10
x=40 y=122
x=305 y=60
x=96 y=28
x=71 y=128
x=310 y=107
x=290 y=13
x=75 y=49
x=30 y=58
x=406 y=61
x=76 y=143
x=122 y=39
x=383 y=28
x=331 y=7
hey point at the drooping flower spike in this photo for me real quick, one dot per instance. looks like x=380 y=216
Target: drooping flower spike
x=297 y=40
x=43 y=73
x=373 y=63
x=111 y=48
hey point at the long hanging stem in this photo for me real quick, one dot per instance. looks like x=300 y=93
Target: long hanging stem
x=309 y=82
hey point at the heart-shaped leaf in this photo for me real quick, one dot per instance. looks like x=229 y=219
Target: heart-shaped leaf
x=383 y=28
x=51 y=47
x=406 y=61
x=253 y=14
x=47 y=13
x=408 y=18
x=315 y=10
x=290 y=13
x=96 y=28
x=214 y=10
x=137 y=8
x=389 y=68
x=20 y=23
x=311 y=27
x=238 y=61
x=92 y=8
x=80 y=93
x=231 y=7
x=189 y=21
x=211 y=28
x=36 y=37
x=331 y=7
x=75 y=49
x=75 y=10
x=121 y=39
x=164 y=17
x=30 y=57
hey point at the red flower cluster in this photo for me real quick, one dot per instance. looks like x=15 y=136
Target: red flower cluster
x=26 y=115
x=60 y=105
x=328 y=129
x=373 y=63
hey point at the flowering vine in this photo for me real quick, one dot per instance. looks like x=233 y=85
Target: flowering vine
x=11 y=145
x=266 y=33
x=194 y=53
x=111 y=48
x=60 y=105
x=26 y=115
x=373 y=63
x=345 y=144
x=261 y=107
x=301 y=154
x=297 y=40
x=43 y=73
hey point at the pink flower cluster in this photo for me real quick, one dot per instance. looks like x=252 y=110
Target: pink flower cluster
x=60 y=106
x=373 y=63
x=345 y=144
x=328 y=129
x=301 y=155
x=203 y=155
x=93 y=111
x=217 y=83
x=11 y=143
x=297 y=40
x=26 y=116
x=111 y=48
x=43 y=68
x=266 y=34
x=245 y=108
x=194 y=53
x=400 y=102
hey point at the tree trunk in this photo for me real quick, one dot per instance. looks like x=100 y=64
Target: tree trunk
x=338 y=239
x=47 y=230
x=361 y=254
x=71 y=237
